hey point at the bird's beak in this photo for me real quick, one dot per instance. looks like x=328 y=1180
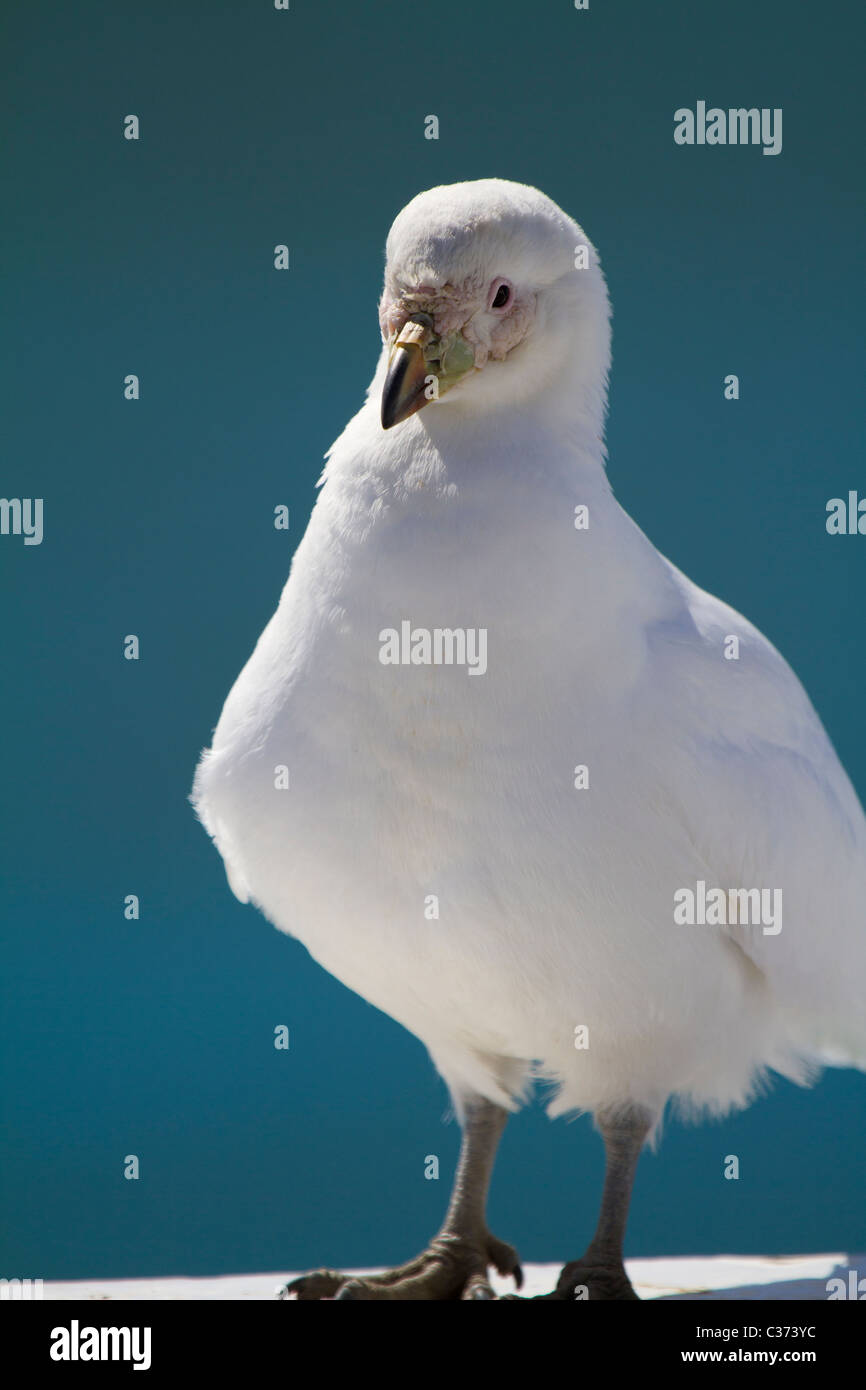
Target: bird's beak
x=421 y=369
x=404 y=391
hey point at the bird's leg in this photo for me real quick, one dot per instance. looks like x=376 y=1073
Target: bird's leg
x=455 y=1264
x=600 y=1273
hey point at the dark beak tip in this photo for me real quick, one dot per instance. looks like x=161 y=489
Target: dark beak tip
x=403 y=392
x=394 y=414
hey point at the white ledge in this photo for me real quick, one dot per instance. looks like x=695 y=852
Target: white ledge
x=794 y=1277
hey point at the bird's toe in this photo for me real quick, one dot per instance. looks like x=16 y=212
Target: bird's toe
x=309 y=1288
x=478 y=1287
x=505 y=1260
x=354 y=1291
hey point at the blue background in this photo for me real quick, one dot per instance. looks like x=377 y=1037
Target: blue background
x=156 y=257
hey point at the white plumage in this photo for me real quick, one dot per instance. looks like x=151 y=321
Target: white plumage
x=556 y=905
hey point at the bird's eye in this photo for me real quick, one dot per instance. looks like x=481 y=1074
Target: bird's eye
x=501 y=292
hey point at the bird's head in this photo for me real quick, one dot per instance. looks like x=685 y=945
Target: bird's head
x=492 y=296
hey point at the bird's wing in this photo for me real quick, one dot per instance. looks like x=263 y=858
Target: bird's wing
x=766 y=804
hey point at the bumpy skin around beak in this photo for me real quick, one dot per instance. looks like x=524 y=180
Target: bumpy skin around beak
x=418 y=355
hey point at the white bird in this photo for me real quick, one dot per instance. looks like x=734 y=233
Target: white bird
x=523 y=750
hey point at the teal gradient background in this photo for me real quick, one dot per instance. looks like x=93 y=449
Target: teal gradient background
x=260 y=127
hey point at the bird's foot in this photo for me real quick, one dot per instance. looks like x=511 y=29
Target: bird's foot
x=588 y=1279
x=452 y=1267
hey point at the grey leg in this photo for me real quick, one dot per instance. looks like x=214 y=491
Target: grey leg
x=601 y=1272
x=455 y=1264
x=481 y=1135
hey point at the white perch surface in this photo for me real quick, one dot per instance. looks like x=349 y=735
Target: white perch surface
x=731 y=1277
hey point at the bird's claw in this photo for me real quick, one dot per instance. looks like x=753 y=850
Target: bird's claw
x=452 y=1268
x=308 y=1288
